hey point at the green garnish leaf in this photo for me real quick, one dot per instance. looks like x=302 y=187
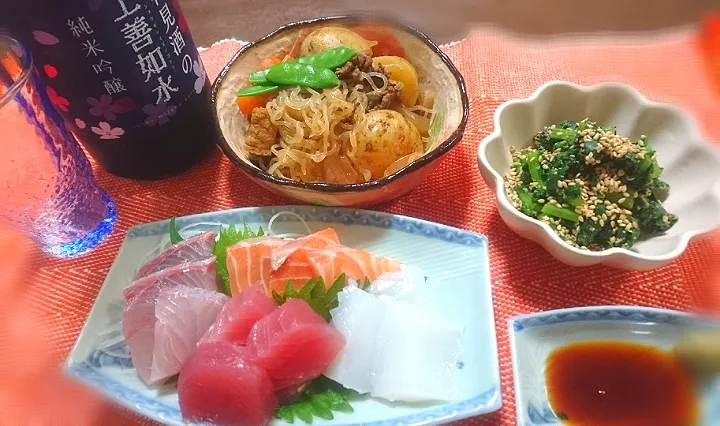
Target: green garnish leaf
x=436 y=125
x=320 y=399
x=321 y=408
x=277 y=298
x=313 y=292
x=304 y=411
x=366 y=283
x=227 y=237
x=175 y=236
x=290 y=291
x=285 y=413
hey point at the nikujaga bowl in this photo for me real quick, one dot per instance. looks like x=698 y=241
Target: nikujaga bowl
x=692 y=166
x=434 y=69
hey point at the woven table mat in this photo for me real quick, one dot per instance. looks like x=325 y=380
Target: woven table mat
x=525 y=278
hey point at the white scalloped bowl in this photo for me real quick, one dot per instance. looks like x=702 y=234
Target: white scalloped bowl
x=692 y=165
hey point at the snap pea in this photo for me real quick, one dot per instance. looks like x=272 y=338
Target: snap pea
x=304 y=75
x=259 y=77
x=330 y=59
x=257 y=90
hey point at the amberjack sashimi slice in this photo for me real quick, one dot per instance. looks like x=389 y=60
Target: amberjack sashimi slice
x=198 y=274
x=193 y=249
x=183 y=314
x=238 y=316
x=294 y=344
x=248 y=263
x=221 y=384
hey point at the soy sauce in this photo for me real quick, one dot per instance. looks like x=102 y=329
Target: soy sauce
x=619 y=384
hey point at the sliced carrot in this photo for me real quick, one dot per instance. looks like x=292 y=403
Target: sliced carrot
x=247 y=104
x=387 y=43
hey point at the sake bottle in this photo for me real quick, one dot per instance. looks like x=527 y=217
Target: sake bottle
x=127 y=78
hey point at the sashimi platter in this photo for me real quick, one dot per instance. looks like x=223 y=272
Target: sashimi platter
x=295 y=315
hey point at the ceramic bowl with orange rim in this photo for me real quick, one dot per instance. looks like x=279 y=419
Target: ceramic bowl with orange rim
x=434 y=71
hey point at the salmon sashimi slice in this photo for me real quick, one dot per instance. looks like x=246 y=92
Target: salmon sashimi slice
x=318 y=240
x=297 y=268
x=291 y=263
x=356 y=264
x=248 y=263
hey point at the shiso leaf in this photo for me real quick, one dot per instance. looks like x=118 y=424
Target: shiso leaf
x=320 y=399
x=175 y=236
x=227 y=237
x=313 y=292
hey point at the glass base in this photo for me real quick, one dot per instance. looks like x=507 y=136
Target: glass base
x=93 y=238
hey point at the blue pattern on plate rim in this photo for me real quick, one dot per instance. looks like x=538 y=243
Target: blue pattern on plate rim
x=322 y=214
x=157 y=410
x=649 y=315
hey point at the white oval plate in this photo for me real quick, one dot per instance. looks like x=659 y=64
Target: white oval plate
x=533 y=337
x=456 y=260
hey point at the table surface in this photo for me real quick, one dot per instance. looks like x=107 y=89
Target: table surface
x=213 y=20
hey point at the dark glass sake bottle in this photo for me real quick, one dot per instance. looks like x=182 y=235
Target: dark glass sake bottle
x=126 y=76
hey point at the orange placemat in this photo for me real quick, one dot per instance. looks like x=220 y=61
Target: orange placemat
x=525 y=278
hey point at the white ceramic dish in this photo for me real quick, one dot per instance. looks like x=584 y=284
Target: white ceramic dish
x=692 y=165
x=533 y=337
x=454 y=260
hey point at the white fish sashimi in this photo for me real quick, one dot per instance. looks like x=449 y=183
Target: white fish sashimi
x=183 y=314
x=357 y=317
x=416 y=355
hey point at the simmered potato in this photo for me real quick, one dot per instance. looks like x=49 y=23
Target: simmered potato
x=383 y=137
x=326 y=38
x=400 y=70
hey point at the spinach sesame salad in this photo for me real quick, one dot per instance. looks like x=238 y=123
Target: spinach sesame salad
x=594 y=188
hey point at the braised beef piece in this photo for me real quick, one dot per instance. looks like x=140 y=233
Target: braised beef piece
x=351 y=74
x=261 y=133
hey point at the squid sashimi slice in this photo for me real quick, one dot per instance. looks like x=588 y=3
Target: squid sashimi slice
x=416 y=355
x=238 y=316
x=294 y=344
x=357 y=264
x=198 y=274
x=248 y=263
x=183 y=315
x=221 y=384
x=193 y=249
x=358 y=318
x=318 y=240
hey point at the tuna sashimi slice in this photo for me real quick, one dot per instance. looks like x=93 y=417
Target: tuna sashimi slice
x=221 y=384
x=248 y=262
x=238 y=316
x=318 y=240
x=193 y=249
x=356 y=264
x=294 y=344
x=198 y=274
x=183 y=316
